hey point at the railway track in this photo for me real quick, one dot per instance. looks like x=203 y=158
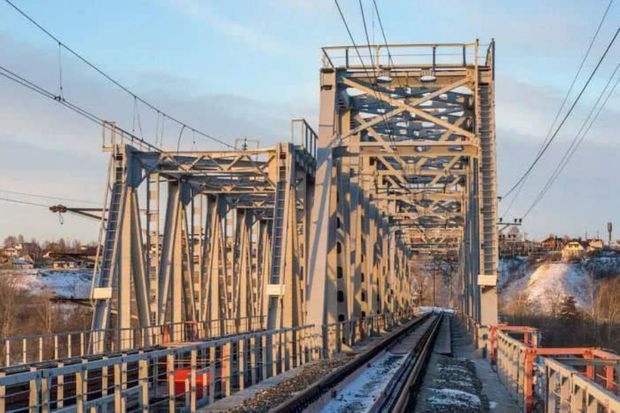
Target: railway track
x=382 y=379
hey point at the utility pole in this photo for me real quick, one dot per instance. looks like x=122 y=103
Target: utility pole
x=609 y=229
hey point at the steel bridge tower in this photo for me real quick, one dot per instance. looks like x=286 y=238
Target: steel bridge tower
x=204 y=240
x=406 y=169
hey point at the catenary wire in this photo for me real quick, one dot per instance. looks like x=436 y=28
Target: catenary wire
x=566 y=116
x=114 y=81
x=565 y=100
x=79 y=110
x=58 y=198
x=579 y=137
x=17 y=201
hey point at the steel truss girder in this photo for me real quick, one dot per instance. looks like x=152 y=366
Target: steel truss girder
x=213 y=258
x=403 y=154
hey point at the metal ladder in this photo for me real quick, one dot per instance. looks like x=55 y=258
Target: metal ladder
x=278 y=224
x=104 y=270
x=488 y=191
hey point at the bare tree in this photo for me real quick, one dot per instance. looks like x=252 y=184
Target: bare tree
x=9 y=304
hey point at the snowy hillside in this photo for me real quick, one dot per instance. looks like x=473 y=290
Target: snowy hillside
x=61 y=284
x=545 y=285
x=550 y=283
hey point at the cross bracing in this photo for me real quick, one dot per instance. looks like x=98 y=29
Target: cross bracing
x=406 y=160
x=295 y=233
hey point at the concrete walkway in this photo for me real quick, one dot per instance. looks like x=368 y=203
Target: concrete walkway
x=500 y=400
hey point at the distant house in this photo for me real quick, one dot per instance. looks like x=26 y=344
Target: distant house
x=64 y=264
x=552 y=243
x=10 y=252
x=574 y=250
x=22 y=263
x=595 y=245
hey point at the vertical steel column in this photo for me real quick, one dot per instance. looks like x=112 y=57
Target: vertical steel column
x=322 y=276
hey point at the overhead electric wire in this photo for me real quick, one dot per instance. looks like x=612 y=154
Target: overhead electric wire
x=359 y=56
x=17 y=201
x=372 y=62
x=579 y=137
x=114 y=81
x=566 y=116
x=59 y=198
x=566 y=96
x=7 y=73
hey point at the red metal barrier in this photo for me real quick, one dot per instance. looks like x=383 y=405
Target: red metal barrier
x=529 y=338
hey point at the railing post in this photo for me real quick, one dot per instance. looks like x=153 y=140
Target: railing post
x=170 y=380
x=143 y=381
x=79 y=391
x=2 y=394
x=60 y=389
x=192 y=380
x=264 y=358
x=104 y=378
x=241 y=348
x=45 y=395
x=227 y=367
x=212 y=355
x=253 y=351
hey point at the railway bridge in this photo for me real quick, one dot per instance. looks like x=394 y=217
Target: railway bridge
x=220 y=271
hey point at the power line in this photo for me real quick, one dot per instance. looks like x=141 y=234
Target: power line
x=359 y=56
x=372 y=62
x=383 y=32
x=48 y=197
x=565 y=100
x=570 y=110
x=579 y=137
x=111 y=79
x=17 y=201
x=64 y=102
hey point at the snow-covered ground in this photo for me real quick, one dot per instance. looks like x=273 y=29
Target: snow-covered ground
x=363 y=391
x=511 y=269
x=546 y=284
x=59 y=283
x=550 y=283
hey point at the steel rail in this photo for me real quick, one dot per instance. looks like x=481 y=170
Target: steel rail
x=399 y=393
x=314 y=392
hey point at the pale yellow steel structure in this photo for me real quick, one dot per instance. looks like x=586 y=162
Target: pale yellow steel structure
x=406 y=166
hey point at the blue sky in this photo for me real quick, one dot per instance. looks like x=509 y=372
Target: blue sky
x=244 y=68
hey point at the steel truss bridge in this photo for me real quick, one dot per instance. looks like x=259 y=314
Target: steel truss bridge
x=236 y=265
x=322 y=231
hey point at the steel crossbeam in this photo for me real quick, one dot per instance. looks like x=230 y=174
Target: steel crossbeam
x=406 y=166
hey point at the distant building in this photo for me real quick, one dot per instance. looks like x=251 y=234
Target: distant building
x=574 y=250
x=22 y=263
x=595 y=244
x=553 y=243
x=64 y=264
x=10 y=252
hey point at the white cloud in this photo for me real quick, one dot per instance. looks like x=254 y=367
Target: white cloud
x=245 y=34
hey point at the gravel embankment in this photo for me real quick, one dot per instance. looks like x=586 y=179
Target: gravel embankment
x=277 y=394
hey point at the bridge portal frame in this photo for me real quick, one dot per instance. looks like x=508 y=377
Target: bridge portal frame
x=234 y=228
x=406 y=169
